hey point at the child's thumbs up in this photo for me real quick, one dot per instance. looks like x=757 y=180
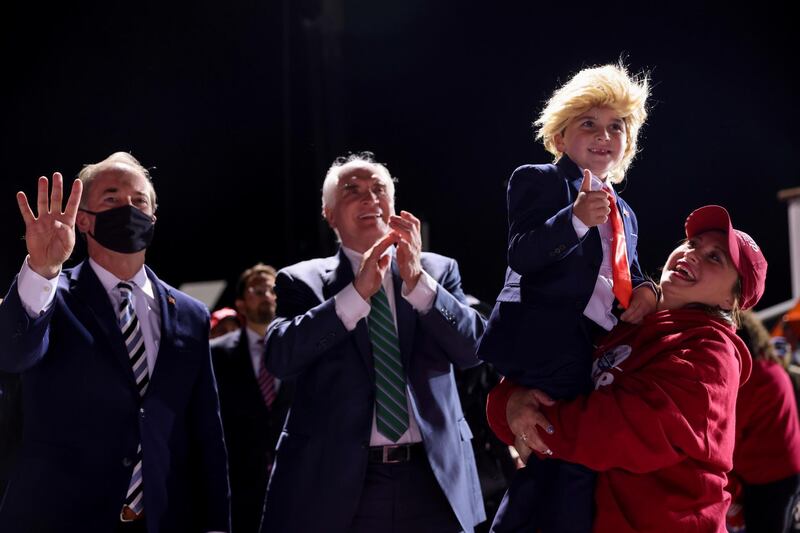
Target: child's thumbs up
x=591 y=207
x=586 y=184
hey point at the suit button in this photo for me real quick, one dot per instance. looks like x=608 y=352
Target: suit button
x=141 y=412
x=127 y=462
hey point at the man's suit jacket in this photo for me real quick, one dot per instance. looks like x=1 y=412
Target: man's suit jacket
x=251 y=430
x=536 y=322
x=321 y=461
x=83 y=416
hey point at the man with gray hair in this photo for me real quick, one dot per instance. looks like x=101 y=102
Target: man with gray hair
x=375 y=439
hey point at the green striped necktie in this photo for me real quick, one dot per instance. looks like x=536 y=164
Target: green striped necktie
x=391 y=407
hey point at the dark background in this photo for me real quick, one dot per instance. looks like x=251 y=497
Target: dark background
x=241 y=107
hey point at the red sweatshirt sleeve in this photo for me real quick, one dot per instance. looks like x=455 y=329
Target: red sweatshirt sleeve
x=496 y=404
x=654 y=414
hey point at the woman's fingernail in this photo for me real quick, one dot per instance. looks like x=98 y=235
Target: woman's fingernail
x=548 y=451
x=550 y=429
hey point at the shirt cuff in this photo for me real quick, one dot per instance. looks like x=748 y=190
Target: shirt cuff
x=580 y=227
x=421 y=298
x=350 y=307
x=35 y=292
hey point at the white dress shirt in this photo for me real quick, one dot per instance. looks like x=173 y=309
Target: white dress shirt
x=351 y=307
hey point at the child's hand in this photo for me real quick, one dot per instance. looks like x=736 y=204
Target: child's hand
x=591 y=207
x=643 y=302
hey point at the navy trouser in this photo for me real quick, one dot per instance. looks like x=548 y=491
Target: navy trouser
x=548 y=495
x=403 y=498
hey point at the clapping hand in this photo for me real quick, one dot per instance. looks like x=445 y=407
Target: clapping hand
x=406 y=227
x=373 y=267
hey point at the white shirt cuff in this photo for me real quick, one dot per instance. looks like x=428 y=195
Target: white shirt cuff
x=421 y=298
x=580 y=227
x=35 y=292
x=350 y=307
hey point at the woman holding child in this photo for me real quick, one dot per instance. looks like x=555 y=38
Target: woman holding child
x=659 y=428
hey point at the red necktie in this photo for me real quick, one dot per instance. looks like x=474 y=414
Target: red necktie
x=266 y=382
x=623 y=287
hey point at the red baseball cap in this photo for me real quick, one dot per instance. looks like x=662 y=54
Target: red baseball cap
x=221 y=314
x=744 y=252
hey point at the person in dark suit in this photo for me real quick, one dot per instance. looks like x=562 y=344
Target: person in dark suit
x=375 y=439
x=253 y=401
x=122 y=429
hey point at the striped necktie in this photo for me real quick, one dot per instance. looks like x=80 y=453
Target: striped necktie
x=391 y=406
x=266 y=381
x=134 y=342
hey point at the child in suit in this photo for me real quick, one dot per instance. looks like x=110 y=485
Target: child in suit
x=571 y=255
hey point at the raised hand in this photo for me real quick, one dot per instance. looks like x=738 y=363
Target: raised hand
x=373 y=267
x=409 y=247
x=50 y=234
x=591 y=207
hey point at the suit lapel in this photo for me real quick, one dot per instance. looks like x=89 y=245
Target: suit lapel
x=627 y=226
x=406 y=317
x=335 y=279
x=85 y=286
x=168 y=308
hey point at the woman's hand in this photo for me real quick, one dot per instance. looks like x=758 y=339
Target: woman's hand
x=643 y=302
x=523 y=414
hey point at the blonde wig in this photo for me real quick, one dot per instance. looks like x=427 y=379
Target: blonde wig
x=606 y=86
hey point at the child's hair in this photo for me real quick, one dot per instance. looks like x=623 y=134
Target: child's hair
x=605 y=86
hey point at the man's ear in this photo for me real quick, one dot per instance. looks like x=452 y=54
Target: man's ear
x=327 y=212
x=83 y=221
x=239 y=305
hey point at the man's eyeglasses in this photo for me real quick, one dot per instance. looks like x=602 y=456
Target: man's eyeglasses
x=262 y=290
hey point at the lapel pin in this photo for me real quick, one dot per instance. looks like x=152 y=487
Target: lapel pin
x=170 y=300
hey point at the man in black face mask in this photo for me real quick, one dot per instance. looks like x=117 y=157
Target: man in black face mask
x=122 y=429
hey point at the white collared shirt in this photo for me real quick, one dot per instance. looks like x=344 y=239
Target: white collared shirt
x=351 y=307
x=38 y=293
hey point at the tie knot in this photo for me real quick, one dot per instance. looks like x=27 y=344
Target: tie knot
x=125 y=289
x=123 y=286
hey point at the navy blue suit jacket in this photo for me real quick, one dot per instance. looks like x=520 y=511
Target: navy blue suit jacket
x=535 y=334
x=322 y=453
x=83 y=416
x=251 y=429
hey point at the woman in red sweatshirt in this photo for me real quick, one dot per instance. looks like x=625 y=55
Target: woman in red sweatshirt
x=660 y=427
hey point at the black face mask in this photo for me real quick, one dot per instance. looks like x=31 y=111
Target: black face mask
x=123 y=229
